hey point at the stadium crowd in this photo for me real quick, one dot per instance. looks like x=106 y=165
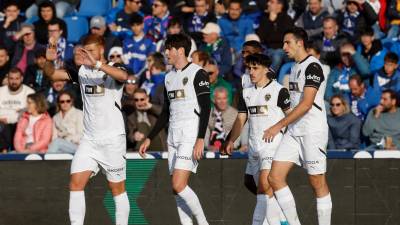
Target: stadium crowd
x=356 y=40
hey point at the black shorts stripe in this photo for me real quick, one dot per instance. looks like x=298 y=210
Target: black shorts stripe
x=323 y=152
x=317 y=106
x=116 y=105
x=197 y=113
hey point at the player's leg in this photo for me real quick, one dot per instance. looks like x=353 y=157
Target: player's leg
x=77 y=205
x=263 y=190
x=315 y=163
x=121 y=200
x=285 y=157
x=250 y=183
x=183 y=166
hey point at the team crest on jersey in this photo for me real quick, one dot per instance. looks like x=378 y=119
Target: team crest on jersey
x=142 y=47
x=267 y=97
x=185 y=80
x=298 y=74
x=177 y=94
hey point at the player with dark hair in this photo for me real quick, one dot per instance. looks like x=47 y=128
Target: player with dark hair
x=263 y=104
x=103 y=145
x=307 y=136
x=187 y=109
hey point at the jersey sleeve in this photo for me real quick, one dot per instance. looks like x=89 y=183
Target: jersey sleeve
x=121 y=67
x=242 y=108
x=72 y=71
x=162 y=120
x=201 y=83
x=284 y=99
x=314 y=76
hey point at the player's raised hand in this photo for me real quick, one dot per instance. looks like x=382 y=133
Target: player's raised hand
x=198 y=149
x=143 y=147
x=51 y=51
x=271 y=132
x=86 y=57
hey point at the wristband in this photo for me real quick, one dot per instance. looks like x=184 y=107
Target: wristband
x=98 y=65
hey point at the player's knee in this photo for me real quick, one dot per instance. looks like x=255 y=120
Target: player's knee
x=275 y=180
x=178 y=187
x=117 y=188
x=317 y=181
x=76 y=185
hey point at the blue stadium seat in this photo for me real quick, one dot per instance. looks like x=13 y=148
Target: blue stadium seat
x=90 y=8
x=77 y=27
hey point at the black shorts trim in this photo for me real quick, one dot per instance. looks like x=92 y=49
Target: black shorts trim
x=317 y=106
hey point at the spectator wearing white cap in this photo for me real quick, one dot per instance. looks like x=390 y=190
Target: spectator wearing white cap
x=217 y=47
x=98 y=26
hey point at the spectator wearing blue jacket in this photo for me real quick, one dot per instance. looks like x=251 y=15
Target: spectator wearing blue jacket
x=235 y=26
x=119 y=23
x=352 y=62
x=155 y=26
x=137 y=48
x=361 y=98
x=388 y=77
x=371 y=49
x=217 y=47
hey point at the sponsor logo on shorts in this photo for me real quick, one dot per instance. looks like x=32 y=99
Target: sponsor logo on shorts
x=184 y=157
x=267 y=158
x=115 y=170
x=311 y=162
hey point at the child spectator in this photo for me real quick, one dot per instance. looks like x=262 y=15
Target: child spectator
x=137 y=48
x=155 y=85
x=10 y=25
x=388 y=77
x=371 y=49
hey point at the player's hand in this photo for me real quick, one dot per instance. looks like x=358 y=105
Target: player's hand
x=271 y=132
x=87 y=58
x=138 y=136
x=198 y=149
x=228 y=148
x=51 y=51
x=143 y=147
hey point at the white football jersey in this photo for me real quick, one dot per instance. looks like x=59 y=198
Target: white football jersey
x=101 y=94
x=308 y=73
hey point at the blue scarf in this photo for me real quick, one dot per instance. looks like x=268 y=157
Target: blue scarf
x=197 y=23
x=349 y=22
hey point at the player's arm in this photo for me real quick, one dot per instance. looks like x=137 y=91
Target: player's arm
x=116 y=71
x=237 y=126
x=49 y=70
x=284 y=101
x=314 y=78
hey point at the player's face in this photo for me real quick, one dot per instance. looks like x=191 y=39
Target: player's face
x=290 y=45
x=172 y=55
x=95 y=50
x=257 y=73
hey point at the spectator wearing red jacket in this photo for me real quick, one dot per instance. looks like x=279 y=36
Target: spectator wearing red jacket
x=34 y=129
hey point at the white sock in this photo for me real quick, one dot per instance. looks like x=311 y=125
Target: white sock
x=260 y=210
x=286 y=201
x=185 y=215
x=265 y=222
x=122 y=209
x=273 y=211
x=193 y=202
x=324 y=209
x=77 y=207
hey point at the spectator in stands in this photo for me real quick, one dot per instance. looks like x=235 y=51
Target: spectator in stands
x=47 y=13
x=330 y=41
x=372 y=49
x=64 y=51
x=196 y=21
x=137 y=48
x=382 y=125
x=34 y=76
x=273 y=24
x=12 y=104
x=67 y=125
x=249 y=48
x=10 y=25
x=220 y=8
x=116 y=55
x=388 y=77
x=316 y=52
x=24 y=52
x=352 y=62
x=142 y=120
x=98 y=26
x=217 y=81
x=120 y=26
x=393 y=16
x=357 y=16
x=146 y=72
x=34 y=128
x=200 y=58
x=51 y=95
x=155 y=85
x=217 y=47
x=4 y=63
x=155 y=26
x=127 y=101
x=235 y=26
x=344 y=127
x=312 y=19
x=175 y=27
x=221 y=120
x=61 y=7
x=361 y=98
